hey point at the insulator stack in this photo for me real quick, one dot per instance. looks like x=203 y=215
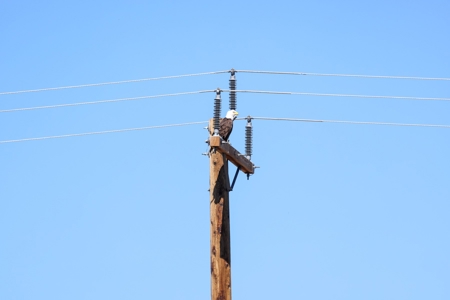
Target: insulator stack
x=249 y=138
x=232 y=90
x=217 y=110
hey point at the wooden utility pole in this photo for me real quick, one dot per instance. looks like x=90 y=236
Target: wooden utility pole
x=219 y=187
x=219 y=224
x=219 y=201
x=220 y=227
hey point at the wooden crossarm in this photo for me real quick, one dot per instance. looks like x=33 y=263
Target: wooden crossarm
x=239 y=160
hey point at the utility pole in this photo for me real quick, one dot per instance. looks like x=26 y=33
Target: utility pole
x=220 y=227
x=219 y=187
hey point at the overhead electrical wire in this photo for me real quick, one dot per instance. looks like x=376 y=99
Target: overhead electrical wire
x=344 y=75
x=101 y=101
x=348 y=122
x=101 y=132
x=340 y=95
x=221 y=72
x=210 y=91
x=205 y=122
x=109 y=83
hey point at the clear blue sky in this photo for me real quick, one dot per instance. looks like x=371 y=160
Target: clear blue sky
x=336 y=211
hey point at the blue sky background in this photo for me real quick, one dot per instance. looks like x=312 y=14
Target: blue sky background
x=335 y=212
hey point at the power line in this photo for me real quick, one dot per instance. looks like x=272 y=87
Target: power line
x=205 y=122
x=100 y=132
x=101 y=101
x=348 y=122
x=339 y=95
x=209 y=91
x=344 y=75
x=110 y=83
x=220 y=72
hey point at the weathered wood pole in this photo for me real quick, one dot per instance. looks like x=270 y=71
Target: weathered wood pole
x=220 y=227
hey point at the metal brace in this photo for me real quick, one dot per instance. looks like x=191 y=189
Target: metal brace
x=234 y=179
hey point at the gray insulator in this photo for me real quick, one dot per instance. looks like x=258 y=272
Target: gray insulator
x=217 y=110
x=233 y=103
x=248 y=139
